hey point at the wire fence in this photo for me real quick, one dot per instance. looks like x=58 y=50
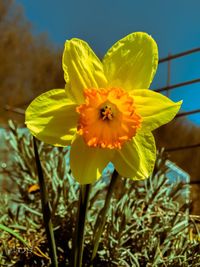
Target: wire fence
x=169 y=87
x=166 y=89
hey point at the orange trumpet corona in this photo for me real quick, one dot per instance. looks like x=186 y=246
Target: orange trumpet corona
x=108 y=118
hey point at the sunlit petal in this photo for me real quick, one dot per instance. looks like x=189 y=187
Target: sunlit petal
x=154 y=108
x=88 y=163
x=137 y=157
x=82 y=69
x=131 y=63
x=52 y=118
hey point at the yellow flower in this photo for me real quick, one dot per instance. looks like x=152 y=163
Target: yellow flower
x=106 y=112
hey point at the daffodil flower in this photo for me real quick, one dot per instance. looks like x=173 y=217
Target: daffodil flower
x=106 y=112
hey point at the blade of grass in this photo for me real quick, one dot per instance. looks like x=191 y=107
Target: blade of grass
x=13 y=233
x=45 y=208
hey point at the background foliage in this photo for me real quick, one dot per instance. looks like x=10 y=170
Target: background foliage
x=29 y=64
x=146 y=224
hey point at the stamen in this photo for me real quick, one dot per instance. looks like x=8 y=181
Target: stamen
x=108 y=118
x=106 y=113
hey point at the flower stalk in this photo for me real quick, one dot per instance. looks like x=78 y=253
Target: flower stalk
x=45 y=208
x=100 y=223
x=78 y=241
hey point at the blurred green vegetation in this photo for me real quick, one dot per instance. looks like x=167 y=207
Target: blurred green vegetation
x=146 y=224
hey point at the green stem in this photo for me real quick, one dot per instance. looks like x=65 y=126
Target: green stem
x=101 y=220
x=78 y=240
x=45 y=208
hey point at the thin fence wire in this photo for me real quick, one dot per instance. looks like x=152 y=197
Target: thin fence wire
x=173 y=149
x=182 y=54
x=186 y=113
x=174 y=86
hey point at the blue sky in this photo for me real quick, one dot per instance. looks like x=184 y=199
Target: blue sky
x=175 y=25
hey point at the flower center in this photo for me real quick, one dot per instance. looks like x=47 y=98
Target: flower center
x=108 y=118
x=106 y=113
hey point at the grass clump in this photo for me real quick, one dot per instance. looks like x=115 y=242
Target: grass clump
x=146 y=224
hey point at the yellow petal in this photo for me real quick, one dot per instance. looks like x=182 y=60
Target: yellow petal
x=137 y=157
x=87 y=163
x=52 y=118
x=82 y=69
x=131 y=63
x=154 y=108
